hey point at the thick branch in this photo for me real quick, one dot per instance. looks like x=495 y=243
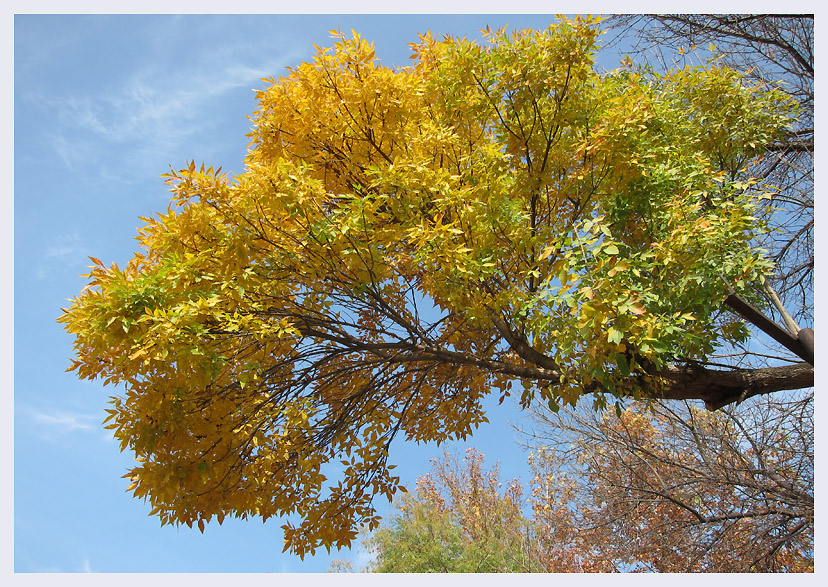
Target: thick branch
x=718 y=388
x=769 y=327
x=522 y=347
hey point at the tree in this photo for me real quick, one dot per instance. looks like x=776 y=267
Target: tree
x=459 y=520
x=401 y=242
x=672 y=488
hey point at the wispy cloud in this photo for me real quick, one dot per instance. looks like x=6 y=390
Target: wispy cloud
x=65 y=246
x=151 y=104
x=64 y=422
x=66 y=250
x=73 y=152
x=151 y=113
x=52 y=422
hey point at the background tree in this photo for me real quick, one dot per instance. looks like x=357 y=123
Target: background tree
x=459 y=519
x=672 y=488
x=402 y=242
x=663 y=488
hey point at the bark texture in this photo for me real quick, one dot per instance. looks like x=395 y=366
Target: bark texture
x=718 y=388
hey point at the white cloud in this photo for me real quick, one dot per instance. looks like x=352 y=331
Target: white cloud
x=54 y=424
x=151 y=111
x=65 y=247
x=72 y=151
x=131 y=118
x=63 y=250
x=51 y=422
x=64 y=422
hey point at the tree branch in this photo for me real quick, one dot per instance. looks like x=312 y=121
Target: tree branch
x=718 y=388
x=769 y=327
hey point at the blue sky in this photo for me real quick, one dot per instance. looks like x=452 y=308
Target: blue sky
x=103 y=105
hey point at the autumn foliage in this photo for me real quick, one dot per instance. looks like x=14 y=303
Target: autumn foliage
x=459 y=519
x=674 y=488
x=658 y=489
x=403 y=241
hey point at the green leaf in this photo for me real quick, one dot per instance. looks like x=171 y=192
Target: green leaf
x=621 y=361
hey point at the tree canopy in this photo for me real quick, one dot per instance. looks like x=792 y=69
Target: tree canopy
x=670 y=487
x=402 y=242
x=460 y=519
